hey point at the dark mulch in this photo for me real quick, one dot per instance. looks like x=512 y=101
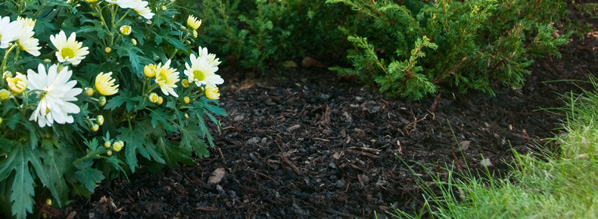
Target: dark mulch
x=306 y=144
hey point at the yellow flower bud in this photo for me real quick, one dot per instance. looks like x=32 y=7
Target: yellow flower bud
x=212 y=92
x=134 y=41
x=186 y=115
x=107 y=144
x=183 y=28
x=164 y=8
x=193 y=23
x=107 y=49
x=4 y=94
x=185 y=83
x=100 y=120
x=48 y=201
x=186 y=100
x=104 y=84
x=153 y=97
x=125 y=30
x=95 y=127
x=91 y=1
x=149 y=70
x=109 y=152
x=160 y=100
x=1 y=120
x=118 y=146
x=89 y=91
x=194 y=33
x=17 y=84
x=102 y=101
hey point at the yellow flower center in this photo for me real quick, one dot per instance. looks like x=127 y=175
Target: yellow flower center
x=67 y=53
x=199 y=75
x=163 y=77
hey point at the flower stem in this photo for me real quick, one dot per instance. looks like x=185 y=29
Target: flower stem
x=3 y=82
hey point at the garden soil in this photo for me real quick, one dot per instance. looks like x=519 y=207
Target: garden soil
x=308 y=144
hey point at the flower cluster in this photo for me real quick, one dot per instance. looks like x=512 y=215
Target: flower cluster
x=201 y=71
x=21 y=31
x=137 y=92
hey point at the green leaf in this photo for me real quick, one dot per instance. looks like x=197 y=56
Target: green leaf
x=173 y=153
x=159 y=116
x=87 y=175
x=116 y=101
x=22 y=191
x=133 y=142
x=56 y=164
x=190 y=139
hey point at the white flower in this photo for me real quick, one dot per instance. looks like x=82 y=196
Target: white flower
x=55 y=92
x=167 y=77
x=124 y=3
x=203 y=52
x=143 y=10
x=68 y=50
x=138 y=6
x=26 y=41
x=9 y=31
x=203 y=69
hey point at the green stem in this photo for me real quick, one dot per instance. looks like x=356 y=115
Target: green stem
x=86 y=157
x=123 y=17
x=7 y=52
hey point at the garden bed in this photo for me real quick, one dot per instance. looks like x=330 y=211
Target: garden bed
x=307 y=144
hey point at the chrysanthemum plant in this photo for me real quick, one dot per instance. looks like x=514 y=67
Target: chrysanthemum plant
x=94 y=89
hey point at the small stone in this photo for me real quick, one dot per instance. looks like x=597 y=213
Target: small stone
x=464 y=145
x=337 y=155
x=253 y=140
x=220 y=190
x=332 y=165
x=486 y=162
x=217 y=176
x=239 y=118
x=340 y=183
x=293 y=128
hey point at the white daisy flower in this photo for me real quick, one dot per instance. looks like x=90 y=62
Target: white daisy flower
x=202 y=70
x=56 y=93
x=203 y=52
x=26 y=40
x=167 y=78
x=138 y=6
x=68 y=50
x=9 y=31
x=143 y=10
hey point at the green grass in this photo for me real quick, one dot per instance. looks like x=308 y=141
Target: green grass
x=564 y=185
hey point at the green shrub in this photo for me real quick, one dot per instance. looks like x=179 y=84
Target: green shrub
x=103 y=102
x=264 y=33
x=473 y=44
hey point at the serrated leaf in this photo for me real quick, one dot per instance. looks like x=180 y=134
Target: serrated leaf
x=116 y=101
x=89 y=177
x=133 y=143
x=159 y=116
x=55 y=166
x=213 y=108
x=190 y=139
x=173 y=153
x=22 y=191
x=151 y=149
